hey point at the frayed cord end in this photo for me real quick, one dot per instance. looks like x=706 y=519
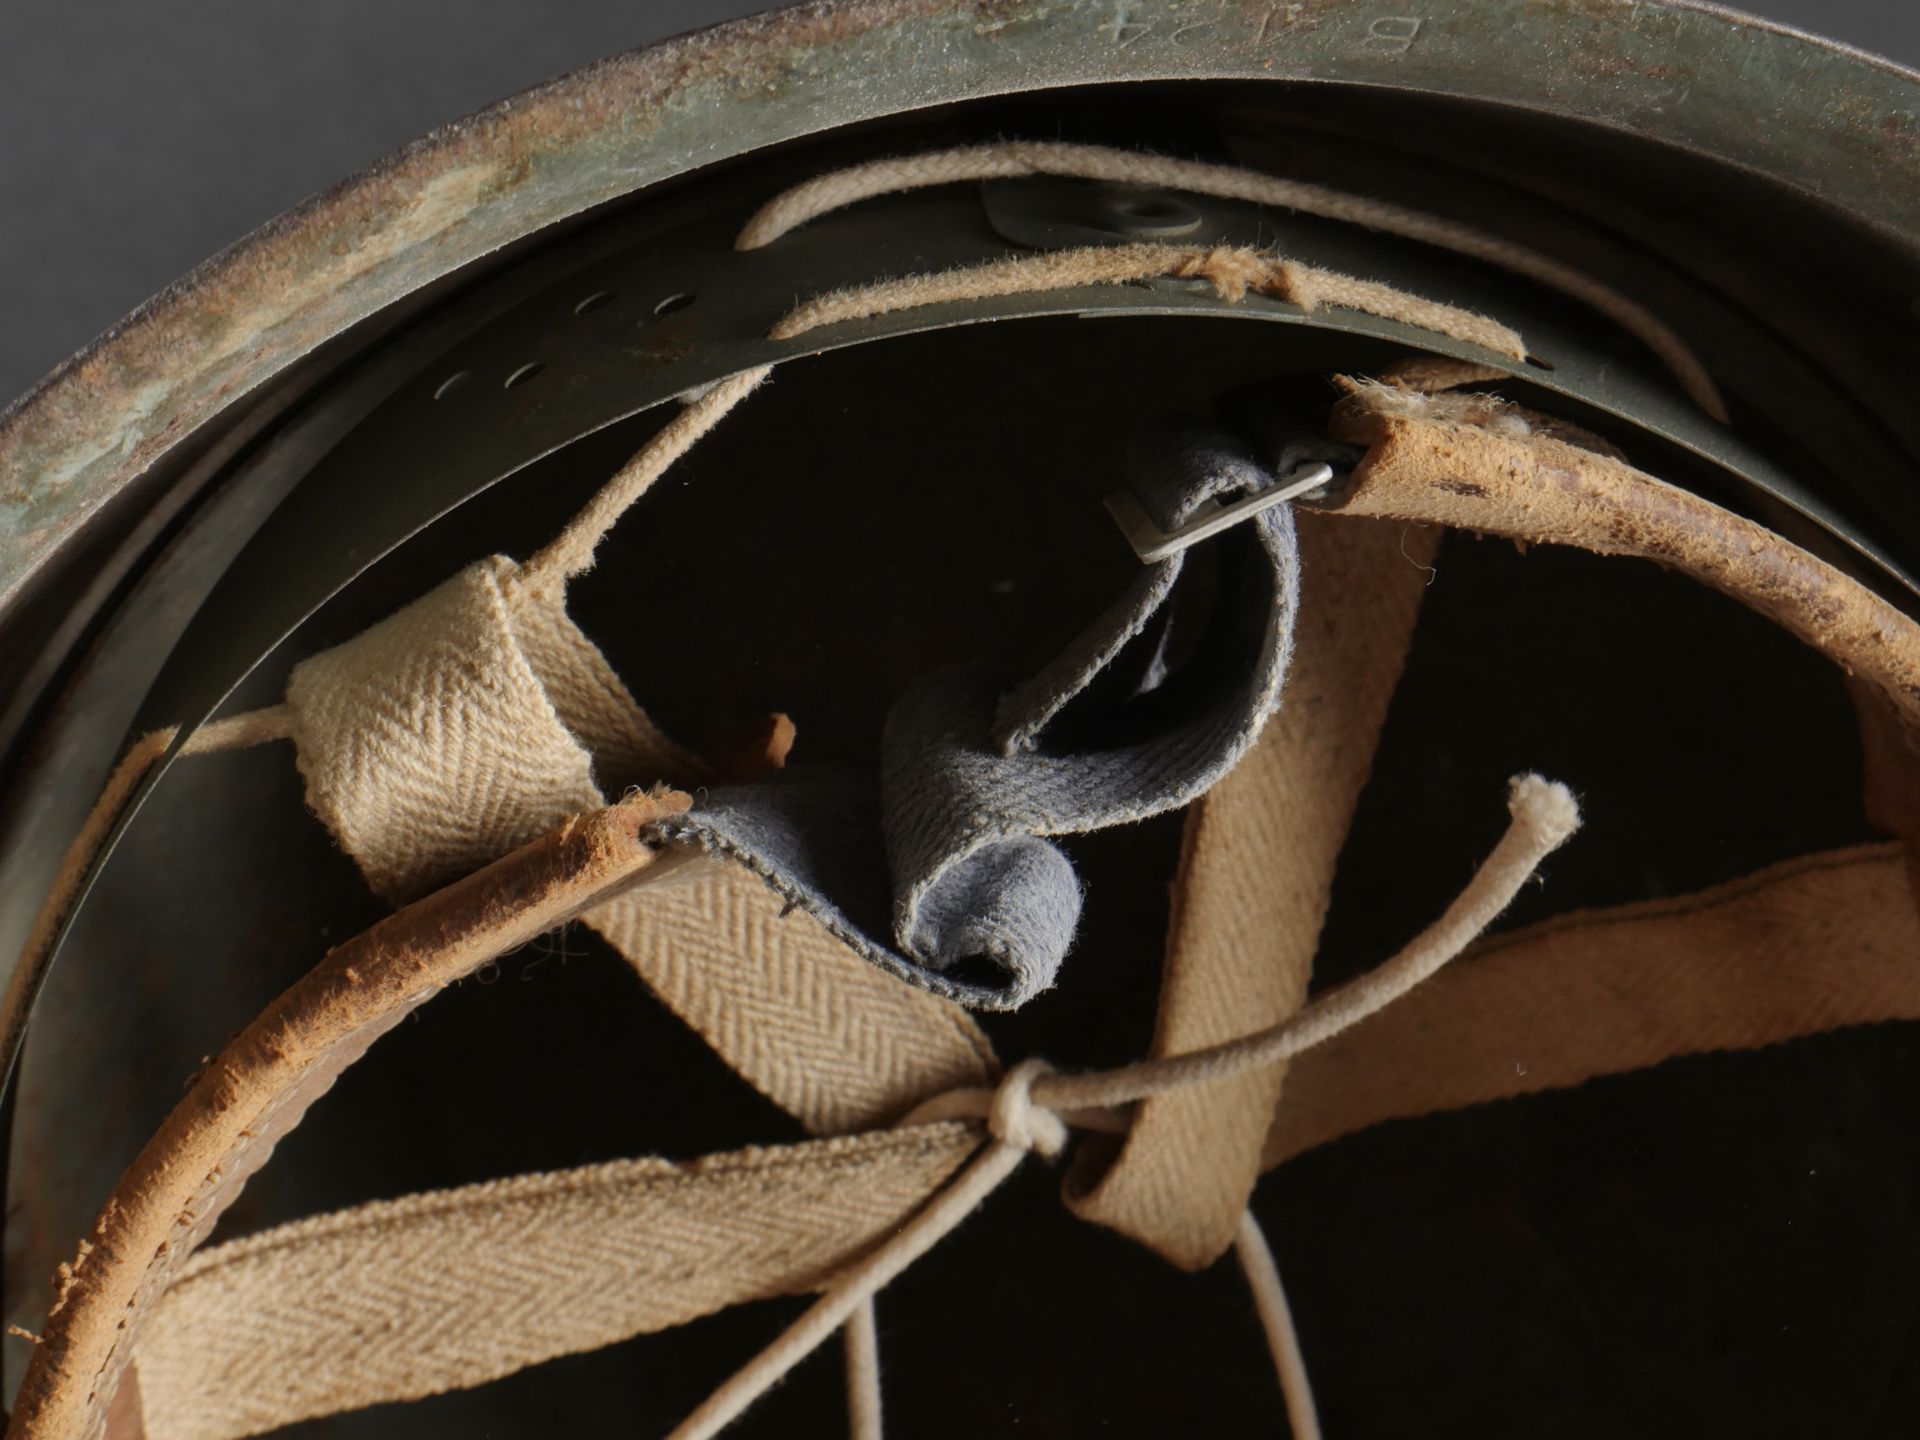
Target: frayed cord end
x=1544 y=809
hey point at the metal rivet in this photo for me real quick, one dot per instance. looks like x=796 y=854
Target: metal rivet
x=1149 y=213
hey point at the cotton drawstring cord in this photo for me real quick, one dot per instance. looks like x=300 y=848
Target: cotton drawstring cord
x=857 y=1285
x=571 y=551
x=863 y=1374
x=1032 y=1108
x=566 y=555
x=236 y=732
x=1276 y=1319
x=1231 y=270
x=1544 y=814
x=1018 y=159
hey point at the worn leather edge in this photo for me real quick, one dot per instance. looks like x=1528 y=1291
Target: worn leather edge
x=1423 y=467
x=261 y=1084
x=1890 y=773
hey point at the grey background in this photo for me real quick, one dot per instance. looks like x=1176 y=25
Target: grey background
x=138 y=137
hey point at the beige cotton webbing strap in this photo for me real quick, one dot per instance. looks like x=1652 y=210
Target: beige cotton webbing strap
x=1074 y=1092
x=1797 y=949
x=835 y=1042
x=1032 y=1109
x=450 y=1289
x=480 y=712
x=261 y=1083
x=582 y=720
x=1804 y=946
x=1251 y=892
x=480 y=715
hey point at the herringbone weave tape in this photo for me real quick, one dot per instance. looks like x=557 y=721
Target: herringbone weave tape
x=835 y=1042
x=1255 y=874
x=480 y=716
x=458 y=729
x=449 y=1289
x=1797 y=949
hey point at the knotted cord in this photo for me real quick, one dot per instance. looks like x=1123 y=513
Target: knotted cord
x=1032 y=1108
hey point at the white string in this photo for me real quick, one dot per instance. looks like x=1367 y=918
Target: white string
x=980 y=1179
x=863 y=1374
x=1021 y=1114
x=1276 y=1318
x=1544 y=814
x=1031 y=1109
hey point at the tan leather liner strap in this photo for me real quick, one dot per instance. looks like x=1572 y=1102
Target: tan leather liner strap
x=1800 y=948
x=265 y=1079
x=261 y=1084
x=1423 y=464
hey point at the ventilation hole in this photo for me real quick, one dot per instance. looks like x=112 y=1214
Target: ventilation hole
x=672 y=303
x=593 y=301
x=452 y=383
x=1538 y=363
x=525 y=373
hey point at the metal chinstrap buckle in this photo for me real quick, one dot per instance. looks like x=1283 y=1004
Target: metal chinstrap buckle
x=1151 y=543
